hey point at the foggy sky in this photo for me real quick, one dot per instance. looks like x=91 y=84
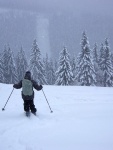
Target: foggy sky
x=53 y=6
x=65 y=21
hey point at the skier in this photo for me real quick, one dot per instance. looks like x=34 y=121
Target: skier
x=27 y=85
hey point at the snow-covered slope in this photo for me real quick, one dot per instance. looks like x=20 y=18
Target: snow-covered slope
x=82 y=119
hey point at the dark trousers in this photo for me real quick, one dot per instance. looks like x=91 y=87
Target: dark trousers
x=29 y=105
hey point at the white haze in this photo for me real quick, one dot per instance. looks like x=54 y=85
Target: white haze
x=55 y=23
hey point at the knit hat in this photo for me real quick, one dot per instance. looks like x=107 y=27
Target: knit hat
x=28 y=75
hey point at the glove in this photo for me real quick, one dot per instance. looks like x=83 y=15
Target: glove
x=41 y=86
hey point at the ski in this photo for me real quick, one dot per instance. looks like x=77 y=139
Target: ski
x=34 y=114
x=28 y=114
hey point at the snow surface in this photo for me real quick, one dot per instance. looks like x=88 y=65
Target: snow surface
x=82 y=119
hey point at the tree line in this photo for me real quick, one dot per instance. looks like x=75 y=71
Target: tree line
x=92 y=67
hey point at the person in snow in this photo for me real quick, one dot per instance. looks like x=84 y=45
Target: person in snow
x=27 y=85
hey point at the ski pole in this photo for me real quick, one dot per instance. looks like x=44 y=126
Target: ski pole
x=47 y=102
x=7 y=100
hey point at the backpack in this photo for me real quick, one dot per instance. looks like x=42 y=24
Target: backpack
x=27 y=87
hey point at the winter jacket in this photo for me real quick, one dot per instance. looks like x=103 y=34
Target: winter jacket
x=34 y=83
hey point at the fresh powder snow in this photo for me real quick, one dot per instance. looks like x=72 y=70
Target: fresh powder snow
x=82 y=119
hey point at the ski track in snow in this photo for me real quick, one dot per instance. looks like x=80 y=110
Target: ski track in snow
x=82 y=119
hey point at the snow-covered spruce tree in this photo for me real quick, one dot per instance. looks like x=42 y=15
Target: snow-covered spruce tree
x=1 y=70
x=64 y=73
x=106 y=65
x=5 y=64
x=73 y=65
x=55 y=65
x=112 y=58
x=51 y=73
x=101 y=54
x=100 y=57
x=10 y=75
x=85 y=68
x=46 y=67
x=95 y=56
x=55 y=68
x=21 y=64
x=49 y=70
x=36 y=66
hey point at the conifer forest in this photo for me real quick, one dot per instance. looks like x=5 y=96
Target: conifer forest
x=93 y=66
